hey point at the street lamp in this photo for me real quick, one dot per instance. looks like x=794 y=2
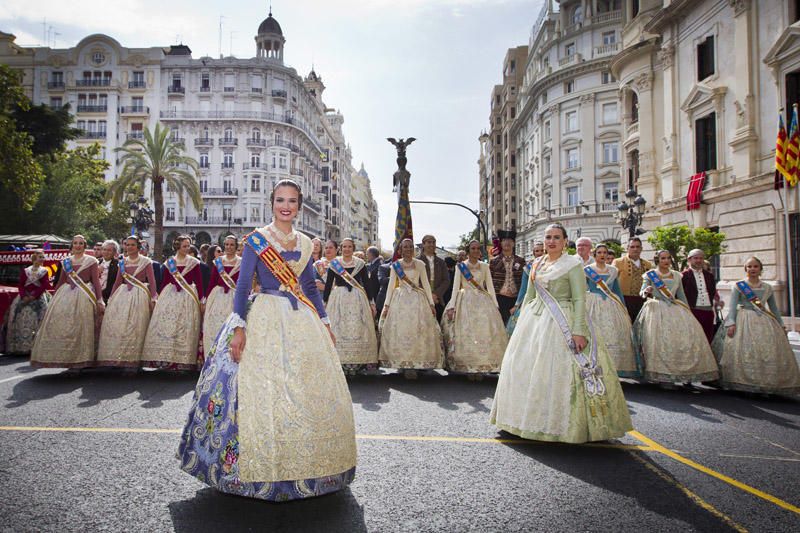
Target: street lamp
x=631 y=213
x=141 y=216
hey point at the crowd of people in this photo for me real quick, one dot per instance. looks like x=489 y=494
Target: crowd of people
x=275 y=321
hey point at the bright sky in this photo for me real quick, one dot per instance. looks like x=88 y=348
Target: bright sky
x=408 y=68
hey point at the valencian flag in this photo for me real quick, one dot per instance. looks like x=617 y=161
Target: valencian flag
x=402 y=228
x=781 y=167
x=793 y=150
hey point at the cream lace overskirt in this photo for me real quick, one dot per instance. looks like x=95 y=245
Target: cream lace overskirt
x=613 y=327
x=219 y=306
x=66 y=336
x=475 y=340
x=124 y=327
x=174 y=330
x=353 y=325
x=410 y=335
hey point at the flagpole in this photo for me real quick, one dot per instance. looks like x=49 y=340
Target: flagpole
x=788 y=252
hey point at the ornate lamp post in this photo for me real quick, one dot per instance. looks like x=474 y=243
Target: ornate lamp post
x=630 y=214
x=141 y=216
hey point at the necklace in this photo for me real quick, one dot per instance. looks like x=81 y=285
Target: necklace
x=284 y=238
x=348 y=263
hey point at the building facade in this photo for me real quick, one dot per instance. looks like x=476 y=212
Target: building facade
x=568 y=130
x=247 y=122
x=364 y=212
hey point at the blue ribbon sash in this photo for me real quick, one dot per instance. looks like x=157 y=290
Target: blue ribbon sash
x=592 y=274
x=748 y=292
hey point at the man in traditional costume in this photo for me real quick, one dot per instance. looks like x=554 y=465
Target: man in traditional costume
x=437 y=273
x=631 y=268
x=700 y=288
x=506 y=271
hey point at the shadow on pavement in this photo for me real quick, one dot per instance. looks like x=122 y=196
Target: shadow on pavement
x=616 y=471
x=213 y=511
x=705 y=403
x=369 y=391
x=7 y=360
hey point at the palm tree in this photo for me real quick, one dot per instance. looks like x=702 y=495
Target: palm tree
x=156 y=158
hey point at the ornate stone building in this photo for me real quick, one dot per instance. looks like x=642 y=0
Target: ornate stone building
x=364 y=211
x=248 y=123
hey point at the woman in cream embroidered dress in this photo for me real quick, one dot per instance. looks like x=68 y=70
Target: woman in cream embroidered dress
x=66 y=338
x=128 y=313
x=173 y=335
x=352 y=311
x=219 y=303
x=670 y=339
x=410 y=336
x=28 y=307
x=474 y=336
x=542 y=392
x=752 y=349
x=272 y=417
x=610 y=316
x=321 y=265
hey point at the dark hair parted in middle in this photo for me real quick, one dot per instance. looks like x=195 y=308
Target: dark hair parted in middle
x=287 y=183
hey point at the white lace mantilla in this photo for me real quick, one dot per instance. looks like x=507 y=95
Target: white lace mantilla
x=560 y=268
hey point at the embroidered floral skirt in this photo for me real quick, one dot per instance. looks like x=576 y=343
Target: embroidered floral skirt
x=540 y=394
x=279 y=425
x=353 y=325
x=758 y=358
x=613 y=327
x=173 y=334
x=124 y=328
x=410 y=335
x=66 y=336
x=219 y=306
x=672 y=344
x=23 y=322
x=475 y=340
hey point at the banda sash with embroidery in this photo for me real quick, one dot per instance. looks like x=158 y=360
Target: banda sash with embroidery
x=659 y=284
x=224 y=275
x=278 y=266
x=132 y=279
x=398 y=269
x=79 y=283
x=464 y=269
x=600 y=282
x=748 y=292
x=337 y=267
x=172 y=267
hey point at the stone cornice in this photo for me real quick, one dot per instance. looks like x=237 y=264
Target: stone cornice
x=642 y=47
x=664 y=16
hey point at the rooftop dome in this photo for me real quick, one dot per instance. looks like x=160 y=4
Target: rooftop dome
x=270 y=25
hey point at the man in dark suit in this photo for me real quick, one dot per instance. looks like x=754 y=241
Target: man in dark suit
x=373 y=264
x=436 y=269
x=506 y=271
x=108 y=267
x=700 y=288
x=384 y=271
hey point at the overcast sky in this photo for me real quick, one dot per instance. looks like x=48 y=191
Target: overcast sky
x=395 y=68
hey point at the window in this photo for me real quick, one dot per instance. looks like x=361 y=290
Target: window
x=228 y=135
x=705 y=140
x=101 y=127
x=546 y=165
x=513 y=160
x=204 y=215
x=138 y=103
x=176 y=80
x=546 y=134
x=255 y=185
x=634 y=108
x=513 y=204
x=705 y=58
x=634 y=8
x=573 y=196
x=175 y=134
x=499 y=140
x=57 y=78
x=571 y=121
x=606 y=77
x=227 y=160
x=56 y=102
x=256 y=134
x=577 y=15
x=569 y=49
x=203 y=160
x=205 y=82
x=609 y=37
x=227 y=186
x=255 y=160
x=610 y=192
x=572 y=158
x=170 y=214
x=203 y=185
x=98 y=57
x=282 y=162
x=513 y=112
x=610 y=152
x=226 y=213
x=230 y=83
x=275 y=165
x=255 y=214
x=610 y=113
x=138 y=78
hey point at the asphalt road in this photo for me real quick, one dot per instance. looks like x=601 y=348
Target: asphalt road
x=97 y=453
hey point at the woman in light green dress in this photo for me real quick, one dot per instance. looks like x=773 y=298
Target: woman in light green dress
x=553 y=384
x=669 y=338
x=752 y=349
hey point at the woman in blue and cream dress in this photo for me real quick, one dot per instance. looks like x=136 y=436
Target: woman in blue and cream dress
x=538 y=251
x=553 y=385
x=666 y=333
x=219 y=303
x=752 y=349
x=610 y=316
x=474 y=336
x=410 y=336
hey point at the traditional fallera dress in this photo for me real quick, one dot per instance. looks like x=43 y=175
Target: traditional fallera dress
x=24 y=318
x=475 y=340
x=348 y=305
x=758 y=358
x=606 y=307
x=174 y=331
x=523 y=289
x=669 y=338
x=66 y=337
x=219 y=304
x=546 y=391
x=410 y=335
x=279 y=425
x=127 y=314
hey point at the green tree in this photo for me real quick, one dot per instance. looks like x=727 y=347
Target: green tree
x=465 y=239
x=156 y=159
x=21 y=175
x=49 y=128
x=678 y=240
x=615 y=247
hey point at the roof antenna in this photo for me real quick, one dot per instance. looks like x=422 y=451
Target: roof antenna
x=270 y=9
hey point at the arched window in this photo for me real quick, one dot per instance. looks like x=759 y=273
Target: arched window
x=634 y=107
x=256 y=134
x=228 y=134
x=577 y=14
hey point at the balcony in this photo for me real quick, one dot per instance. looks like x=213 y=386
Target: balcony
x=610 y=16
x=97 y=82
x=93 y=135
x=296 y=172
x=56 y=85
x=212 y=192
x=228 y=142
x=204 y=141
x=137 y=84
x=279 y=93
x=606 y=50
x=633 y=129
x=256 y=90
x=314 y=206
x=250 y=166
x=608 y=207
x=572 y=59
x=92 y=108
x=134 y=110
x=229 y=89
x=138 y=135
x=205 y=89
x=257 y=142
x=178 y=140
x=207 y=221
x=176 y=90
x=573 y=29
x=226 y=166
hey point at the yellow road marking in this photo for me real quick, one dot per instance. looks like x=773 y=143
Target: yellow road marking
x=713 y=473
x=691 y=495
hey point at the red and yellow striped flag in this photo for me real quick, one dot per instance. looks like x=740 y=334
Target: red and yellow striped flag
x=781 y=170
x=793 y=150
